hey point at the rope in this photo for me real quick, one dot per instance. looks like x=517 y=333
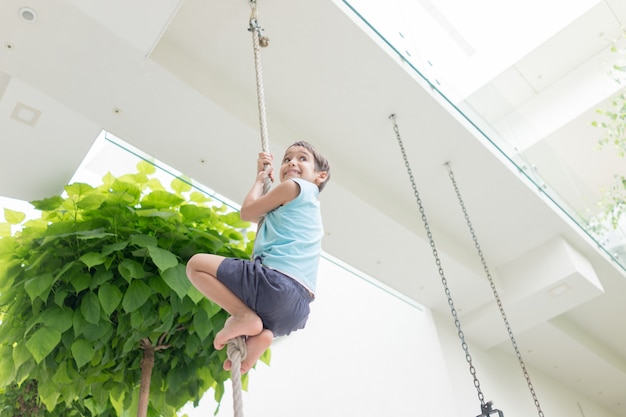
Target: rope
x=236 y=348
x=236 y=351
x=259 y=40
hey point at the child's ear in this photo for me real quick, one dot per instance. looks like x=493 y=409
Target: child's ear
x=321 y=177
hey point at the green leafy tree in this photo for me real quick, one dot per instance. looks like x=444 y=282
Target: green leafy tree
x=614 y=117
x=97 y=315
x=613 y=123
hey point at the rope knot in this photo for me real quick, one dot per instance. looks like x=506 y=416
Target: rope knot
x=257 y=30
x=236 y=350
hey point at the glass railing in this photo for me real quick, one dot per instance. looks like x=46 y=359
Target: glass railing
x=408 y=29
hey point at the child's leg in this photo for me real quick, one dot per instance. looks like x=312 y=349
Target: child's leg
x=202 y=272
x=255 y=345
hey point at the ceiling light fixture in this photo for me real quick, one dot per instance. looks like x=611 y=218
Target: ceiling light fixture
x=26 y=114
x=559 y=289
x=28 y=14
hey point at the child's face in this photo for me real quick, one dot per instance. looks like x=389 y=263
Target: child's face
x=298 y=162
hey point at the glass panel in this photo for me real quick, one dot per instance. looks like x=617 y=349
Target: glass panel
x=111 y=154
x=473 y=54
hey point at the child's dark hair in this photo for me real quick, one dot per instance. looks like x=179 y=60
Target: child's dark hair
x=321 y=163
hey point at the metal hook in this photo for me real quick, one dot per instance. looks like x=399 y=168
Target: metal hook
x=487 y=410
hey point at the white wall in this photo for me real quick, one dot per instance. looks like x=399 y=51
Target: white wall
x=364 y=352
x=502 y=381
x=367 y=351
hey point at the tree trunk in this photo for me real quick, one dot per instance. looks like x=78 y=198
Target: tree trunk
x=147 y=363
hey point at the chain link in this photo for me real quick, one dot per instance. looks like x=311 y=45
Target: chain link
x=495 y=291
x=444 y=281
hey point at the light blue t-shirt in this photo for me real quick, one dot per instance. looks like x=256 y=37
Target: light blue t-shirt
x=290 y=238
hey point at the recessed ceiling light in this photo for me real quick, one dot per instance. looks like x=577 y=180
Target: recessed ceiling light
x=28 y=14
x=25 y=114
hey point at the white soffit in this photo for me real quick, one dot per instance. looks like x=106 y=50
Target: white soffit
x=536 y=287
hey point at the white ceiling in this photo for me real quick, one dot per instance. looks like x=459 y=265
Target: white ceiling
x=176 y=79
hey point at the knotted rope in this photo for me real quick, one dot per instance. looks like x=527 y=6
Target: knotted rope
x=258 y=40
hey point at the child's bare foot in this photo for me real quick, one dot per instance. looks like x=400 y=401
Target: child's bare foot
x=255 y=346
x=244 y=325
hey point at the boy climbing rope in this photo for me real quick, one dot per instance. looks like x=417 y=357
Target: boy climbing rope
x=269 y=296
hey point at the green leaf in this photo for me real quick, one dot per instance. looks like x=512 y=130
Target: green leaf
x=13 y=217
x=49 y=393
x=83 y=351
x=110 y=297
x=9 y=271
x=117 y=396
x=42 y=342
x=180 y=185
x=195 y=295
x=177 y=280
x=48 y=204
x=125 y=192
x=158 y=285
x=198 y=197
x=155 y=213
x=114 y=247
x=92 y=259
x=79 y=322
x=60 y=376
x=93 y=234
x=130 y=269
x=193 y=213
x=78 y=190
x=7 y=368
x=161 y=199
x=143 y=241
x=202 y=324
x=266 y=357
x=155 y=184
x=234 y=219
x=80 y=281
x=91 y=202
x=20 y=354
x=57 y=318
x=162 y=258
x=136 y=295
x=39 y=286
x=145 y=167
x=90 y=308
x=5 y=229
x=100 y=277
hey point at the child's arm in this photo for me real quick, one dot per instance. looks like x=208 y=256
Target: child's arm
x=255 y=205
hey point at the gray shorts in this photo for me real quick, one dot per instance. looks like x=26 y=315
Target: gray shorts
x=280 y=301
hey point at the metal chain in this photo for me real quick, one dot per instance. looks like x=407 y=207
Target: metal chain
x=495 y=291
x=444 y=281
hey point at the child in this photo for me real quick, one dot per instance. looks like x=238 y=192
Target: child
x=269 y=296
